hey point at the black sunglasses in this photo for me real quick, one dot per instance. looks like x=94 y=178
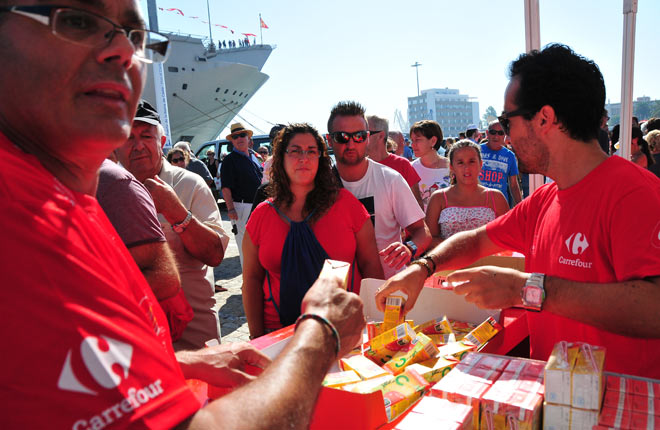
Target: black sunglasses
x=234 y=136
x=494 y=132
x=504 y=119
x=177 y=160
x=344 y=136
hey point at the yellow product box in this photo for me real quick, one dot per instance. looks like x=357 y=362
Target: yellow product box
x=455 y=349
x=462 y=327
x=392 y=316
x=337 y=379
x=436 y=371
x=363 y=366
x=402 y=392
x=384 y=354
x=587 y=381
x=435 y=326
x=375 y=328
x=442 y=339
x=558 y=373
x=336 y=268
x=401 y=335
x=422 y=350
x=369 y=385
x=484 y=332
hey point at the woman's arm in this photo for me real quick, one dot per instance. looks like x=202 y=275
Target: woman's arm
x=436 y=205
x=367 y=252
x=253 y=293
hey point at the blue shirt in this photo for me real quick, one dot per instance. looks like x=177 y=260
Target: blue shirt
x=497 y=168
x=408 y=152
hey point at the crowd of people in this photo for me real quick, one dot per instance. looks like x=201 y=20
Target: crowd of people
x=108 y=306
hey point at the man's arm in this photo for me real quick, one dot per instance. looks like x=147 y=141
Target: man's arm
x=229 y=201
x=627 y=308
x=287 y=390
x=157 y=264
x=457 y=251
x=397 y=254
x=199 y=240
x=515 y=190
x=418 y=195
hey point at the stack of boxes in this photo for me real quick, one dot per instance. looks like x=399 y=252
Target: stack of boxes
x=573 y=386
x=434 y=413
x=630 y=403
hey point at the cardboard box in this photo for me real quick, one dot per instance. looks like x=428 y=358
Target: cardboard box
x=556 y=417
x=457 y=388
x=447 y=411
x=337 y=268
x=504 y=409
x=558 y=373
x=587 y=378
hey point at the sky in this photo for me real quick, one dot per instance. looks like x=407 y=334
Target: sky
x=363 y=50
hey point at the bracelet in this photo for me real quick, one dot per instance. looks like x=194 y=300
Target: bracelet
x=424 y=263
x=322 y=320
x=429 y=258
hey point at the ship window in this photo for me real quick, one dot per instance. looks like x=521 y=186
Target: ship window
x=185 y=86
x=246 y=95
x=217 y=89
x=173 y=69
x=240 y=94
x=227 y=90
x=234 y=93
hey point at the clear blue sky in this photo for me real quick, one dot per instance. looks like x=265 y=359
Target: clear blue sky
x=363 y=50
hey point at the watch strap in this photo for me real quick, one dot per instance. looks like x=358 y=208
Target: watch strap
x=180 y=227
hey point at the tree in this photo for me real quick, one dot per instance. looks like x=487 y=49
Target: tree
x=655 y=109
x=490 y=115
x=642 y=110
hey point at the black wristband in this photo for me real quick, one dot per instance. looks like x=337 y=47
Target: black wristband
x=322 y=320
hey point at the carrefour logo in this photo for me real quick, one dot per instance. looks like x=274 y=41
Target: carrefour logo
x=107 y=360
x=577 y=243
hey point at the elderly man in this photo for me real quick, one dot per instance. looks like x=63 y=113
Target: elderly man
x=240 y=176
x=86 y=335
x=591 y=275
x=189 y=217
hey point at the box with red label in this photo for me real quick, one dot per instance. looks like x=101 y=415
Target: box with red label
x=402 y=392
x=504 y=409
x=619 y=383
x=443 y=413
x=645 y=388
x=528 y=369
x=458 y=388
x=617 y=418
x=486 y=361
x=522 y=382
x=644 y=421
x=481 y=374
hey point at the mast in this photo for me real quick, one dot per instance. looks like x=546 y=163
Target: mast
x=208 y=15
x=261 y=30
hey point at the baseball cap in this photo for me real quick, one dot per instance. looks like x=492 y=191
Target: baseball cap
x=147 y=113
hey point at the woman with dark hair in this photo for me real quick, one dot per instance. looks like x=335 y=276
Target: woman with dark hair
x=465 y=204
x=432 y=168
x=178 y=157
x=307 y=218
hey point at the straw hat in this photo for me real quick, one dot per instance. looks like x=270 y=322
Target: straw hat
x=237 y=128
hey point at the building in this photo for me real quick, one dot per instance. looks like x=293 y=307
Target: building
x=452 y=110
x=643 y=108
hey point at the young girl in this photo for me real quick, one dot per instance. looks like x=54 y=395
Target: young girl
x=465 y=204
x=432 y=168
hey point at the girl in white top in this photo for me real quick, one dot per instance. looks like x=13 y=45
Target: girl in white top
x=432 y=168
x=465 y=204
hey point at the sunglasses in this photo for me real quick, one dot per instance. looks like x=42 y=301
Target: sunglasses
x=177 y=160
x=344 y=136
x=263 y=152
x=495 y=132
x=237 y=135
x=504 y=119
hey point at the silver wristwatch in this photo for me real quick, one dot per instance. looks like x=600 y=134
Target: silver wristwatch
x=533 y=293
x=180 y=227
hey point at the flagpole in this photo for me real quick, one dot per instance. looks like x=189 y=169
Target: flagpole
x=261 y=30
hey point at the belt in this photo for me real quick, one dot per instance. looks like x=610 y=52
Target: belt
x=242 y=201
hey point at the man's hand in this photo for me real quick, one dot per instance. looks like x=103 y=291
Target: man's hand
x=490 y=287
x=341 y=308
x=229 y=365
x=410 y=281
x=166 y=200
x=231 y=213
x=396 y=255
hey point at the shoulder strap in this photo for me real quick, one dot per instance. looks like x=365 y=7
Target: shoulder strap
x=279 y=212
x=444 y=193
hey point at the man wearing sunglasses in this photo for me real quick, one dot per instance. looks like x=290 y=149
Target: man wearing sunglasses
x=240 y=175
x=591 y=238
x=85 y=343
x=383 y=191
x=500 y=167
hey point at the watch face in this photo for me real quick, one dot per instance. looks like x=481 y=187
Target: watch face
x=533 y=295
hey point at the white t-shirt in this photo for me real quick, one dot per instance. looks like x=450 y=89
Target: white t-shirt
x=431 y=180
x=390 y=202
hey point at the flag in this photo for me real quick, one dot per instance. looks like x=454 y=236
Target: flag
x=263 y=24
x=173 y=9
x=249 y=34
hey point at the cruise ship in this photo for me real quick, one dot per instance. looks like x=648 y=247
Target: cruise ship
x=207 y=86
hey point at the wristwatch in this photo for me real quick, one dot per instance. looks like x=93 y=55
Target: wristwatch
x=412 y=247
x=533 y=293
x=180 y=227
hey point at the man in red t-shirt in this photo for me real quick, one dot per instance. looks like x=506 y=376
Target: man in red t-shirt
x=85 y=344
x=591 y=238
x=377 y=151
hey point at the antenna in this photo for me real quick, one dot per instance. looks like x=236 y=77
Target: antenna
x=208 y=13
x=416 y=66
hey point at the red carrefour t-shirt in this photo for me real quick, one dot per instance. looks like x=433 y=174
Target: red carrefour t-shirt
x=604 y=229
x=403 y=166
x=85 y=343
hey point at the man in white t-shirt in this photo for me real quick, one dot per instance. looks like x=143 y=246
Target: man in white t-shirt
x=383 y=191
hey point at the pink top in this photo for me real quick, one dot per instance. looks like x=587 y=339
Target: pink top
x=454 y=219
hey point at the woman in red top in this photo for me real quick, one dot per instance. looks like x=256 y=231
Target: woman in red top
x=302 y=187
